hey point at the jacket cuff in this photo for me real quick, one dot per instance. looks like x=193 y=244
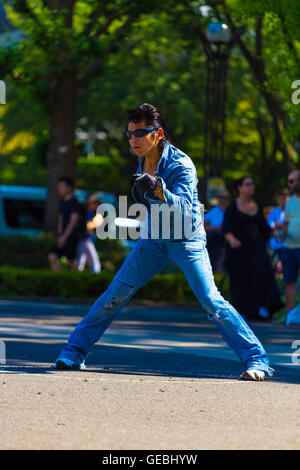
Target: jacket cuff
x=151 y=194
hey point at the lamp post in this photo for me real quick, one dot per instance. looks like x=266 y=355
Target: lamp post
x=219 y=45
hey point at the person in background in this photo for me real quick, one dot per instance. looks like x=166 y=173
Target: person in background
x=213 y=221
x=275 y=220
x=254 y=292
x=291 y=243
x=87 y=252
x=276 y=217
x=70 y=227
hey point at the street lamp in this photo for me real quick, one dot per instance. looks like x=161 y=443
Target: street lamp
x=218 y=33
x=219 y=45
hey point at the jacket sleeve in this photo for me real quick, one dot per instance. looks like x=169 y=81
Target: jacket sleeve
x=181 y=196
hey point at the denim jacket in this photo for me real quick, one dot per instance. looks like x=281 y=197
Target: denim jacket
x=180 y=216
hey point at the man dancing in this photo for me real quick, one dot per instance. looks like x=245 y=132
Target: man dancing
x=165 y=176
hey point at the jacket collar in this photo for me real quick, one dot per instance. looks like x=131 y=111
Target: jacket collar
x=162 y=161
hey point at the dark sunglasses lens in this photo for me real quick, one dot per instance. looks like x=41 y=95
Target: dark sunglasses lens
x=140 y=132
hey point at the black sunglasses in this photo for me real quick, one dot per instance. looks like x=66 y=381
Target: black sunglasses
x=139 y=132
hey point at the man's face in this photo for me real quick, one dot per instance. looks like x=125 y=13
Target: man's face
x=293 y=182
x=281 y=199
x=92 y=206
x=223 y=201
x=144 y=145
x=63 y=189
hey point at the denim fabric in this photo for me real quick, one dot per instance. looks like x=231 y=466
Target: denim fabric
x=147 y=258
x=178 y=178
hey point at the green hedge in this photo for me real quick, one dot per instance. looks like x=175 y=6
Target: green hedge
x=32 y=252
x=25 y=252
x=74 y=285
x=24 y=271
x=45 y=283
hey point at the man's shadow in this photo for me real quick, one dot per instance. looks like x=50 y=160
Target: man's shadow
x=38 y=358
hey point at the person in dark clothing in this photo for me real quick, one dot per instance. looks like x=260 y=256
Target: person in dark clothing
x=254 y=292
x=71 y=226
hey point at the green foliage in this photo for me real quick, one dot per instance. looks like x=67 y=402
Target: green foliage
x=102 y=173
x=73 y=285
x=24 y=272
x=32 y=253
x=159 y=60
x=25 y=252
x=157 y=66
x=45 y=283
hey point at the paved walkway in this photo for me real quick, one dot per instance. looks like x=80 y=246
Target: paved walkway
x=160 y=378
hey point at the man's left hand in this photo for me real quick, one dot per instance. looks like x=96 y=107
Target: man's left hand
x=146 y=182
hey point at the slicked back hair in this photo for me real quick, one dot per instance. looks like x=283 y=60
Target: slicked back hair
x=152 y=117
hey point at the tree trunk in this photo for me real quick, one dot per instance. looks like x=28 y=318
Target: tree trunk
x=263 y=149
x=61 y=157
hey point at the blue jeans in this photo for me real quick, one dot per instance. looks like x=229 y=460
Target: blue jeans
x=147 y=258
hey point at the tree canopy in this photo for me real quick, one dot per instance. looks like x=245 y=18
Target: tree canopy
x=83 y=63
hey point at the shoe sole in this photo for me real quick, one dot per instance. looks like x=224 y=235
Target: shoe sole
x=62 y=366
x=247 y=376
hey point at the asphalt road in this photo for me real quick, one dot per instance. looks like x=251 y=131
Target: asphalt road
x=160 y=378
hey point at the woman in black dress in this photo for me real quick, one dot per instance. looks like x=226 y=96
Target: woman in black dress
x=254 y=292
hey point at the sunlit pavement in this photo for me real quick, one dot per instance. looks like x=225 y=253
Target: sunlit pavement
x=146 y=346
x=165 y=329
